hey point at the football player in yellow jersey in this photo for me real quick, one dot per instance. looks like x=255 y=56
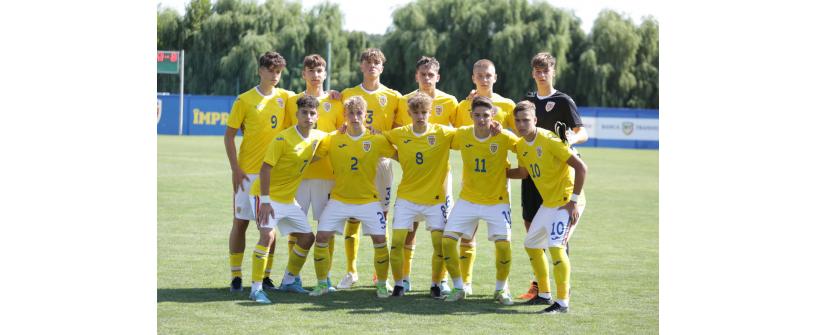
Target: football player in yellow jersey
x=484 y=196
x=424 y=150
x=380 y=115
x=546 y=157
x=484 y=78
x=318 y=179
x=354 y=157
x=442 y=112
x=283 y=166
x=259 y=113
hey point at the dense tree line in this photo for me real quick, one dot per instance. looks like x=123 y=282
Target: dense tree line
x=615 y=65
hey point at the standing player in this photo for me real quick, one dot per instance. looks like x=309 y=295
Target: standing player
x=354 y=156
x=260 y=114
x=283 y=166
x=551 y=106
x=442 y=112
x=424 y=150
x=483 y=196
x=318 y=179
x=382 y=103
x=545 y=157
x=484 y=78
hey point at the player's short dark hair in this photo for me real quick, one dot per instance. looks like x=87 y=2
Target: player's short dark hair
x=307 y=101
x=271 y=59
x=523 y=106
x=312 y=61
x=483 y=102
x=355 y=103
x=419 y=102
x=543 y=59
x=372 y=54
x=429 y=61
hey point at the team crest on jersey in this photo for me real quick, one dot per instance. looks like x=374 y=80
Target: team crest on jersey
x=280 y=102
x=549 y=106
x=383 y=100
x=438 y=110
x=539 y=151
x=628 y=128
x=366 y=146
x=431 y=139
x=493 y=148
x=327 y=106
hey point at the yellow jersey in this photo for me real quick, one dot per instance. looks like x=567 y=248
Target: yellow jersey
x=382 y=105
x=288 y=154
x=484 y=164
x=354 y=161
x=260 y=118
x=545 y=159
x=503 y=114
x=425 y=162
x=330 y=118
x=442 y=112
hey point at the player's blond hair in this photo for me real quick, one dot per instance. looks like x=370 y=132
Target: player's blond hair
x=355 y=103
x=372 y=54
x=483 y=63
x=420 y=102
x=312 y=61
x=523 y=106
x=543 y=59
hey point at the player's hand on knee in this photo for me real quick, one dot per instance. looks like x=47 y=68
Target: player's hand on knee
x=238 y=176
x=264 y=213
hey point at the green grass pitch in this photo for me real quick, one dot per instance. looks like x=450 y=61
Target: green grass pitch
x=614 y=261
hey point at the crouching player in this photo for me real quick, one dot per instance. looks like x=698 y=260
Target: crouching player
x=545 y=156
x=354 y=157
x=286 y=158
x=424 y=151
x=483 y=196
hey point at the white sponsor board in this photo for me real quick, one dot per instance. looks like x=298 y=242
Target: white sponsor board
x=613 y=128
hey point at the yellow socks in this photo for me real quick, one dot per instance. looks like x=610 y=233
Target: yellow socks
x=292 y=242
x=381 y=261
x=235 y=261
x=467 y=260
x=296 y=260
x=540 y=265
x=269 y=262
x=437 y=264
x=259 y=257
x=322 y=260
x=408 y=260
x=330 y=253
x=503 y=260
x=449 y=245
x=397 y=253
x=351 y=244
x=563 y=269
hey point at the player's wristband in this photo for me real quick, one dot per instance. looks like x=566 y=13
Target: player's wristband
x=575 y=197
x=264 y=199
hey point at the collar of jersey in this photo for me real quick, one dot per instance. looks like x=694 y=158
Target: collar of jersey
x=478 y=139
x=371 y=92
x=426 y=131
x=550 y=94
x=364 y=131
x=257 y=89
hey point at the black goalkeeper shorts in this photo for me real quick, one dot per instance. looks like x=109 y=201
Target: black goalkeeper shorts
x=530 y=199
